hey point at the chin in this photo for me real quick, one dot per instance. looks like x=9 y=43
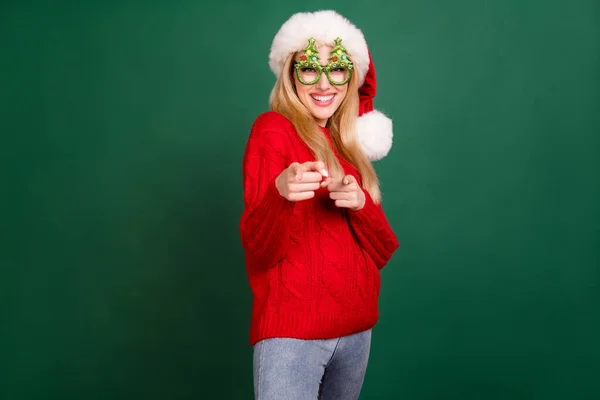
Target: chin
x=321 y=114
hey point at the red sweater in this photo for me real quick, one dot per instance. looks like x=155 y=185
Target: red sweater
x=313 y=268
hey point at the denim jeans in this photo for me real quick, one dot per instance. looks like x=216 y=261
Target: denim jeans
x=295 y=369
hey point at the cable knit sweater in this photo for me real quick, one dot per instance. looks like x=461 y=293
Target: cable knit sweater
x=313 y=268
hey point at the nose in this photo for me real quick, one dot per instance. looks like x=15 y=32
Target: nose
x=323 y=83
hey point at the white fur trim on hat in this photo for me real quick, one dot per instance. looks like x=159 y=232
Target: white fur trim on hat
x=374 y=133
x=324 y=27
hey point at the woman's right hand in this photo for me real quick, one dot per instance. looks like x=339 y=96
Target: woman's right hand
x=299 y=181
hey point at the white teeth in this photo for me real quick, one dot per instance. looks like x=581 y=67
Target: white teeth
x=322 y=98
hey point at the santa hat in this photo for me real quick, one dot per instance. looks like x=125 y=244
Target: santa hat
x=373 y=128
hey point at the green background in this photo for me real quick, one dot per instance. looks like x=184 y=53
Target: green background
x=123 y=127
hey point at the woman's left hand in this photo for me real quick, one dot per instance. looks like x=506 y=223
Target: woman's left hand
x=346 y=192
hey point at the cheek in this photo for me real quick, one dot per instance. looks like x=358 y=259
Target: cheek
x=342 y=93
x=301 y=90
x=303 y=94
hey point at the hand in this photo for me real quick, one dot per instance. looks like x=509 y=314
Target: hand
x=346 y=192
x=299 y=181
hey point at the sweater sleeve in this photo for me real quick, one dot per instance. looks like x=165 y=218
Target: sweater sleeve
x=374 y=232
x=264 y=225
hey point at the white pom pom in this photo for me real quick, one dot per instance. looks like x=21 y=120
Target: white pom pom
x=374 y=132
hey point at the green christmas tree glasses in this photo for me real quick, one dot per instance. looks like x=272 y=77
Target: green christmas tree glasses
x=338 y=70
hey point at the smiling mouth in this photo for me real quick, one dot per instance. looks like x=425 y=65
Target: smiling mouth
x=323 y=100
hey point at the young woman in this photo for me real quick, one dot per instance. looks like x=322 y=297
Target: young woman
x=313 y=231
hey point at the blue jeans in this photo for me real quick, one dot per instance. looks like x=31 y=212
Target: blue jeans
x=295 y=369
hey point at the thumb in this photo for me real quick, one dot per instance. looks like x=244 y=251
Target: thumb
x=296 y=170
x=348 y=179
x=327 y=182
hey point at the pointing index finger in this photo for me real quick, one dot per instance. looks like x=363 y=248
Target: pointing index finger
x=317 y=166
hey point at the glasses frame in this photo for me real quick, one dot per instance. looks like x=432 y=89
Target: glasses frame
x=299 y=65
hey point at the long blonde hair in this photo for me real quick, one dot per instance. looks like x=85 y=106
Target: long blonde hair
x=341 y=125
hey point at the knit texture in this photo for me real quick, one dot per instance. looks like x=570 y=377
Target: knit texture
x=313 y=268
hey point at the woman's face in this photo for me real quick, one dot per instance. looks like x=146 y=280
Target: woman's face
x=322 y=98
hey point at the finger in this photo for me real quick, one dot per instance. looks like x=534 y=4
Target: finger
x=311 y=177
x=335 y=185
x=301 y=172
x=338 y=186
x=339 y=196
x=327 y=182
x=344 y=204
x=349 y=179
x=301 y=196
x=296 y=171
x=304 y=187
x=316 y=166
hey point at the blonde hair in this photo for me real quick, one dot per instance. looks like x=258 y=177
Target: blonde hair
x=341 y=125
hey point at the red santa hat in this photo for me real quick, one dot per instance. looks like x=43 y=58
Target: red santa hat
x=373 y=128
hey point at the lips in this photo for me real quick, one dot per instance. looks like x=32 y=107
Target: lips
x=322 y=100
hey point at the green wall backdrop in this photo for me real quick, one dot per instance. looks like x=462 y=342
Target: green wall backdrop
x=123 y=127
